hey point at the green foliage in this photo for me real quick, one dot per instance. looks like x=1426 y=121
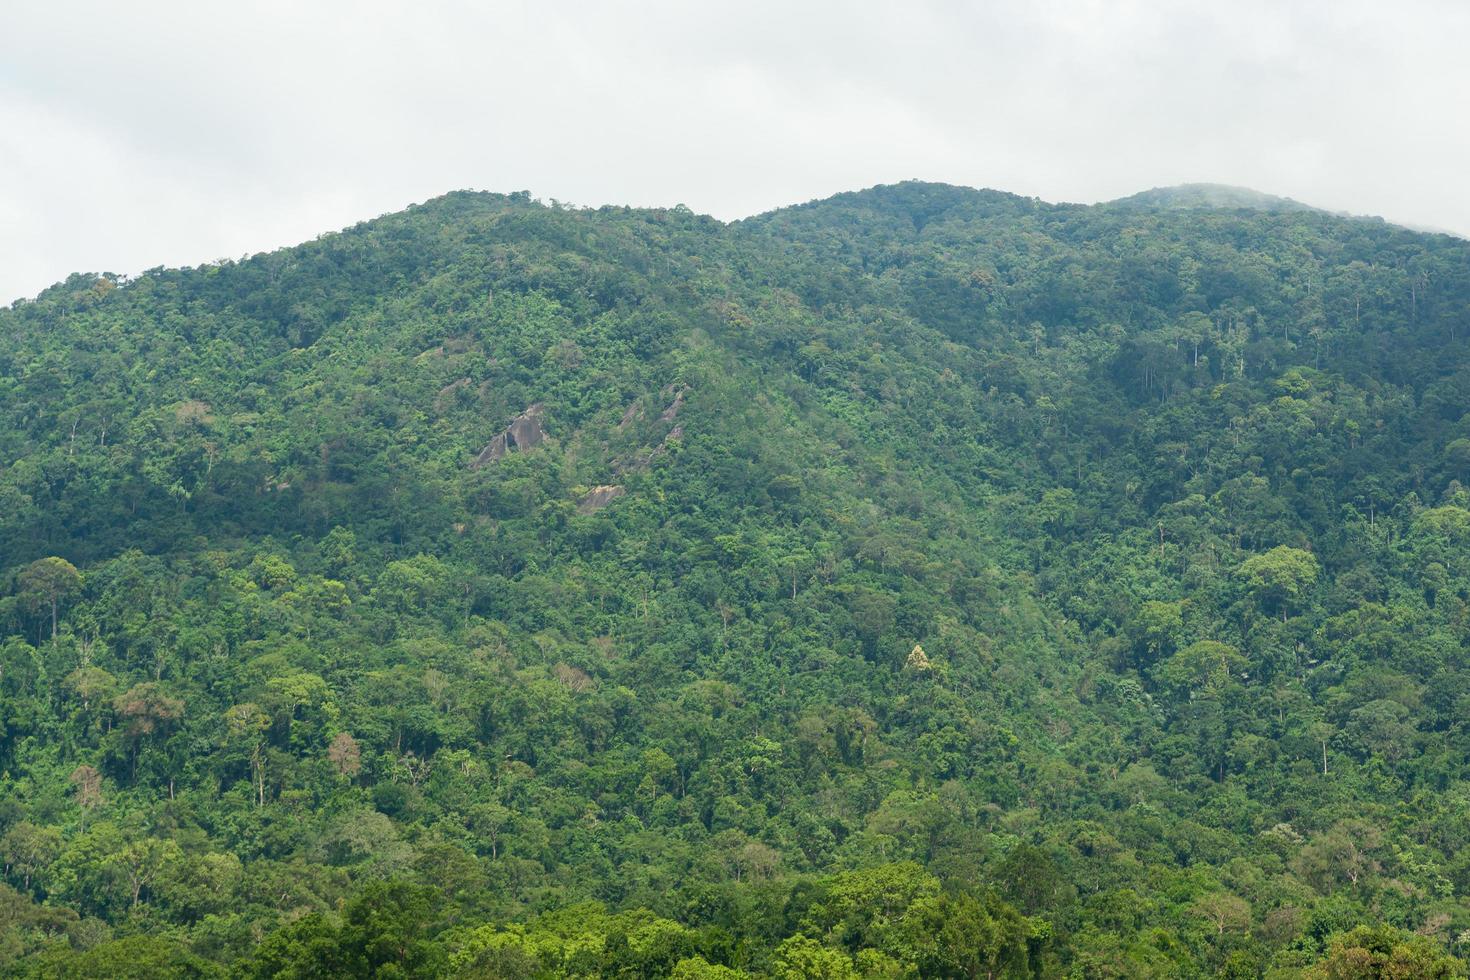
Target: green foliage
x=921 y=582
x=1280 y=576
x=1368 y=953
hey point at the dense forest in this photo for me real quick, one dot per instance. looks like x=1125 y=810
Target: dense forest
x=923 y=582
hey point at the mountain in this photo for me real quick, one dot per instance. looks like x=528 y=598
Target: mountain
x=919 y=582
x=1209 y=196
x=1226 y=197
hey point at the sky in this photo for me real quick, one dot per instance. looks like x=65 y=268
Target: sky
x=177 y=133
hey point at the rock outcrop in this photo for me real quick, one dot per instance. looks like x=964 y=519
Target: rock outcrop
x=672 y=412
x=599 y=497
x=524 y=432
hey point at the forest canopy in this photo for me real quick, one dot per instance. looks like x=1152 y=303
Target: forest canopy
x=923 y=582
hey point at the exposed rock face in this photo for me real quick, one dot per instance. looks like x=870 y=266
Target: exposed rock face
x=448 y=394
x=640 y=458
x=674 y=435
x=524 y=432
x=672 y=412
x=453 y=386
x=492 y=452
x=599 y=497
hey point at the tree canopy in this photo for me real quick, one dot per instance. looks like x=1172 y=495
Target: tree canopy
x=922 y=582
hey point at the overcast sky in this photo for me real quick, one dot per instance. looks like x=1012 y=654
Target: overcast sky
x=150 y=133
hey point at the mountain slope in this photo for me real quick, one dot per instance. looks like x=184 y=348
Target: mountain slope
x=1104 y=564
x=1215 y=196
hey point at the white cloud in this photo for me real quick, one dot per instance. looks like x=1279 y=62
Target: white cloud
x=174 y=133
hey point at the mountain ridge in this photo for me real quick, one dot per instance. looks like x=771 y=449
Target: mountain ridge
x=924 y=199
x=1212 y=196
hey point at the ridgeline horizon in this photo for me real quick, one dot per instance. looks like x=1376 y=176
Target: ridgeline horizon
x=1190 y=195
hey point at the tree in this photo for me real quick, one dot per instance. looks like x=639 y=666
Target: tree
x=1154 y=628
x=196 y=885
x=959 y=937
x=46 y=583
x=1384 y=953
x=1322 y=733
x=659 y=773
x=1278 y=578
x=1344 y=853
x=1457 y=457
x=139 y=864
x=131 y=958
x=29 y=850
x=345 y=755
x=800 y=958
x=864 y=908
x=488 y=822
x=1205 y=665
x=384 y=932
x=87 y=782
x=90 y=684
x=1031 y=879
x=146 y=711
x=698 y=968
x=248 y=725
x=1224 y=911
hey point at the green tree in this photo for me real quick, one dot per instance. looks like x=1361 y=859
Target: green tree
x=1279 y=577
x=1384 y=953
x=47 y=583
x=29 y=850
x=800 y=958
x=959 y=936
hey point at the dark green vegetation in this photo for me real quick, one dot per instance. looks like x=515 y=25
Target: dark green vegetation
x=922 y=582
x=1189 y=196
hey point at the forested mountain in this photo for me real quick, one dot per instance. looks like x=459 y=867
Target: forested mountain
x=1218 y=196
x=923 y=582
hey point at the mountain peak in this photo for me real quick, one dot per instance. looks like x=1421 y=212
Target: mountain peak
x=1184 y=197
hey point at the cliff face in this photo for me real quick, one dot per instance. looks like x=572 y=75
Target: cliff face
x=523 y=433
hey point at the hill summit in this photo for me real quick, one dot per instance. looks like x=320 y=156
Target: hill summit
x=1223 y=196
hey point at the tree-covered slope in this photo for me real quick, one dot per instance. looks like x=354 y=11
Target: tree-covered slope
x=1212 y=196
x=919 y=582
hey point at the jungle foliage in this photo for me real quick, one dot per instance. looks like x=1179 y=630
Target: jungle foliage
x=924 y=582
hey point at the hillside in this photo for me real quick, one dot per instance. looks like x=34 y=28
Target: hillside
x=919 y=582
x=1209 y=196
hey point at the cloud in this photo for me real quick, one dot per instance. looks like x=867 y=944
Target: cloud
x=175 y=133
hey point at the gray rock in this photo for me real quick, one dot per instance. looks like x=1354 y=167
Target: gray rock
x=672 y=412
x=524 y=432
x=599 y=497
